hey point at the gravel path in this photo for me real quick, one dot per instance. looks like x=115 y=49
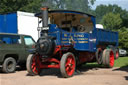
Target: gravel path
x=87 y=76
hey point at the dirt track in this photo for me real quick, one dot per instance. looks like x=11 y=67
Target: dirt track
x=87 y=76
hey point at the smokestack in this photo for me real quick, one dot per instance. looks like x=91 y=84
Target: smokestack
x=45 y=16
x=45 y=28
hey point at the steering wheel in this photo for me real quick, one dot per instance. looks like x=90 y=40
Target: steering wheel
x=81 y=28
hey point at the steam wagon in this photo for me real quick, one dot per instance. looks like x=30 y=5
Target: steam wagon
x=68 y=39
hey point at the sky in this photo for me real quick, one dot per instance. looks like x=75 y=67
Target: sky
x=121 y=3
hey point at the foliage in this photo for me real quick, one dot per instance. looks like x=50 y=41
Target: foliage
x=102 y=10
x=8 y=6
x=32 y=6
x=77 y=5
x=111 y=21
x=123 y=38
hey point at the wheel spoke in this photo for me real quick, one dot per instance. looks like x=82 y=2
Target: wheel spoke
x=34 y=69
x=34 y=65
x=67 y=65
x=70 y=60
x=70 y=65
x=67 y=68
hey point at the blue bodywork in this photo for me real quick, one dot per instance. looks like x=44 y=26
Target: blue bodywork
x=82 y=41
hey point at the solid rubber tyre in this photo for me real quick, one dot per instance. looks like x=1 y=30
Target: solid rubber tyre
x=9 y=65
x=99 y=56
x=108 y=58
x=32 y=66
x=67 y=65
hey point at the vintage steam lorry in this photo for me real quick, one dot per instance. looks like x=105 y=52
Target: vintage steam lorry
x=68 y=39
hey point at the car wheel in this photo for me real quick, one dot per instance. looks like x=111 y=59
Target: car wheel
x=9 y=65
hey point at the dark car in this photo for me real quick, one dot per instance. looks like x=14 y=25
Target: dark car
x=14 y=49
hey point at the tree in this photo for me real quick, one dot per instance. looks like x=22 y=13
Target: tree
x=111 y=21
x=32 y=6
x=8 y=6
x=78 y=5
x=101 y=10
x=123 y=38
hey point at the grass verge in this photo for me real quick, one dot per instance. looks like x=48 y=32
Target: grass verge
x=120 y=62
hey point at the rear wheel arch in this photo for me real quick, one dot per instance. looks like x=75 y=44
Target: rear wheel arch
x=15 y=56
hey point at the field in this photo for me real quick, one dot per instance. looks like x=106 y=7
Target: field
x=120 y=62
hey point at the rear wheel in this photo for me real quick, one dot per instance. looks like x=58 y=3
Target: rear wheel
x=32 y=64
x=99 y=55
x=9 y=65
x=116 y=54
x=67 y=65
x=108 y=58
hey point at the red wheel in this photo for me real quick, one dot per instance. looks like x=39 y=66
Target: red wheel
x=108 y=58
x=111 y=59
x=67 y=65
x=32 y=64
x=116 y=54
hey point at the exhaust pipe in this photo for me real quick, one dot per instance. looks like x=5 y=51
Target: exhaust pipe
x=45 y=28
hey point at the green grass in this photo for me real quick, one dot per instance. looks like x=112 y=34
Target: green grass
x=120 y=62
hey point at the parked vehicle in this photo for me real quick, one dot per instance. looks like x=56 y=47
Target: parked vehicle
x=20 y=23
x=71 y=39
x=14 y=49
x=122 y=52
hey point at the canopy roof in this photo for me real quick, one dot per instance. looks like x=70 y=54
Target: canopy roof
x=67 y=18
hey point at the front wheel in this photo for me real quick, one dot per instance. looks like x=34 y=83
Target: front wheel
x=32 y=64
x=67 y=65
